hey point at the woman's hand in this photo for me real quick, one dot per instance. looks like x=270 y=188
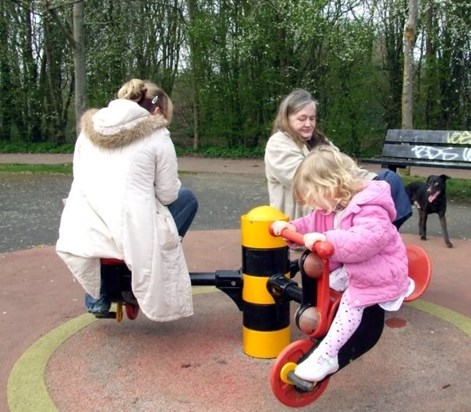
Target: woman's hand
x=311 y=238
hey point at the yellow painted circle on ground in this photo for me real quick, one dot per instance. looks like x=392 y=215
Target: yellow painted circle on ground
x=27 y=390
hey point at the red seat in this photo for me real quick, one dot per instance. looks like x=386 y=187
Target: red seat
x=419 y=270
x=111 y=261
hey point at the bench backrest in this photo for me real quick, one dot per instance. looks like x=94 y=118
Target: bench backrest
x=447 y=146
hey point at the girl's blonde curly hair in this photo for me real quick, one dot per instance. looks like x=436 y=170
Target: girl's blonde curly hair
x=326 y=179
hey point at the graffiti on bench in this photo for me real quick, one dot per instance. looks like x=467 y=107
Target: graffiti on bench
x=441 y=153
x=459 y=138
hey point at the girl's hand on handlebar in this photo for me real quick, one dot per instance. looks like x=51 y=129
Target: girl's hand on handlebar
x=311 y=238
x=279 y=225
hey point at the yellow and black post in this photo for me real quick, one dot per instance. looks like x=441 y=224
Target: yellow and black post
x=266 y=322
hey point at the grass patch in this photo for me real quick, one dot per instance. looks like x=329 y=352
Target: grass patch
x=223 y=152
x=64 y=169
x=458 y=190
x=41 y=147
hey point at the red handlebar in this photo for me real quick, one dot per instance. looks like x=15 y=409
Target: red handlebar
x=293 y=236
x=323 y=249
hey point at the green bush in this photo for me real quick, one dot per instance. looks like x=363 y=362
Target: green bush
x=223 y=152
x=44 y=147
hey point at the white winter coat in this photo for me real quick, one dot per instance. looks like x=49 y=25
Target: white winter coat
x=282 y=158
x=125 y=173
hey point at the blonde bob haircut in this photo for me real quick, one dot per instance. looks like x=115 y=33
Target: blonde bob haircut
x=326 y=179
x=147 y=95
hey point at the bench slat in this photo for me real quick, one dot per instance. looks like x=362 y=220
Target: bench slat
x=439 y=137
x=394 y=163
x=447 y=154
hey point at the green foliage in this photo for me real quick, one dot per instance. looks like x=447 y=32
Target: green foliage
x=228 y=64
x=223 y=152
x=43 y=147
x=352 y=107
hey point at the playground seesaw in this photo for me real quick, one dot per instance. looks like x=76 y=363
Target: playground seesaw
x=264 y=288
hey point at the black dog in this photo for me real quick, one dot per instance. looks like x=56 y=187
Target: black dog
x=430 y=197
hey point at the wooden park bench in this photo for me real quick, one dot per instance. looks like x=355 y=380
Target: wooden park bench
x=425 y=148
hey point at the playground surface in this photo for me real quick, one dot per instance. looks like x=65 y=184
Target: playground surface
x=55 y=357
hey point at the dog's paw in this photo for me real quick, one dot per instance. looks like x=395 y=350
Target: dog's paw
x=423 y=238
x=449 y=244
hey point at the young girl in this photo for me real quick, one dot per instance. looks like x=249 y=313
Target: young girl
x=369 y=261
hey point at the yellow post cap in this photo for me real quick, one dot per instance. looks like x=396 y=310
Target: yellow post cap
x=263 y=213
x=255 y=226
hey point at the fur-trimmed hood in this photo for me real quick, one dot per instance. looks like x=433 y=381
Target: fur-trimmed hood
x=121 y=123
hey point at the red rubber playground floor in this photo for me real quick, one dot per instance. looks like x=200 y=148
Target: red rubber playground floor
x=55 y=357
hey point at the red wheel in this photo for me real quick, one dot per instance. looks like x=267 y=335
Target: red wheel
x=131 y=311
x=285 y=392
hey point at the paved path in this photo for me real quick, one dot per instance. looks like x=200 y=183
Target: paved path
x=56 y=357
x=30 y=205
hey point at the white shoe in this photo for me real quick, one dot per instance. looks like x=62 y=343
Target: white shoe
x=317 y=367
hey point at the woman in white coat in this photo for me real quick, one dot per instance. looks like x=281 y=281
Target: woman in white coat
x=294 y=135
x=126 y=202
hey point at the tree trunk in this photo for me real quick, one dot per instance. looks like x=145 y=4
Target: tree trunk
x=407 y=84
x=195 y=62
x=6 y=83
x=79 y=61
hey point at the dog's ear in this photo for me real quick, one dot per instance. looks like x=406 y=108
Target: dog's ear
x=445 y=177
x=429 y=178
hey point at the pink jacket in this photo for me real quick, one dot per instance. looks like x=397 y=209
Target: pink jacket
x=367 y=243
